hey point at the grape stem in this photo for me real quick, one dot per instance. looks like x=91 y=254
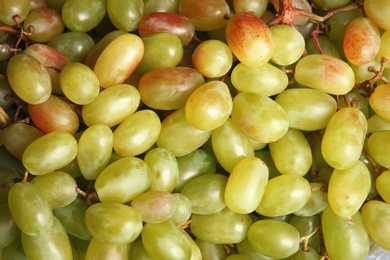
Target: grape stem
x=368 y=85
x=25 y=177
x=305 y=239
x=5 y=119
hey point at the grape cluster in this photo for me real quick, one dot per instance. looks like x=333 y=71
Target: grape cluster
x=194 y=129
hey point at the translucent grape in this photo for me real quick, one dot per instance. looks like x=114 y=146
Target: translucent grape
x=183 y=210
x=257 y=6
x=381 y=184
x=211 y=250
x=305 y=226
x=14 y=12
x=376 y=10
x=101 y=250
x=379 y=101
x=125 y=15
x=384 y=50
x=318 y=200
x=378 y=145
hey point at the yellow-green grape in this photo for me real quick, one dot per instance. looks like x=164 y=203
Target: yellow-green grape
x=14 y=12
x=358 y=101
x=58 y=188
x=258 y=7
x=137 y=133
x=165 y=241
x=376 y=10
x=382 y=185
x=344 y=137
x=345 y=238
x=196 y=254
x=266 y=157
x=384 y=50
x=377 y=123
x=245 y=248
x=284 y=194
x=318 y=200
x=209 y=106
x=9 y=231
x=291 y=153
x=259 y=117
x=206 y=193
x=362 y=72
x=121 y=56
x=307 y=109
x=79 y=246
x=94 y=150
x=50 y=152
x=72 y=218
x=307 y=225
x=31 y=212
x=151 y=6
x=339 y=22
x=305 y=254
x=113 y=223
x=98 y=250
x=379 y=101
x=164 y=168
x=348 y=189
x=178 y=136
x=246 y=185
x=29 y=79
x=53 y=244
x=183 y=210
x=212 y=58
x=125 y=15
x=289 y=44
x=274 y=238
x=138 y=251
x=376 y=216
x=224 y=227
x=211 y=250
x=378 y=145
x=266 y=79
x=154 y=206
x=79 y=83
x=112 y=106
x=325 y=73
x=327 y=46
x=123 y=180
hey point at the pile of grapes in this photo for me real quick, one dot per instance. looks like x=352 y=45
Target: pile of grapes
x=194 y=129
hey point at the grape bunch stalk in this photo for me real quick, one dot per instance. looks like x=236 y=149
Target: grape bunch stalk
x=189 y=130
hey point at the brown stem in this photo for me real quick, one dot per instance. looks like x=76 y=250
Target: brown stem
x=370 y=82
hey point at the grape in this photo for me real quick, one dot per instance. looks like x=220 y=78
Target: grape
x=327 y=46
x=266 y=79
x=249 y=39
x=379 y=101
x=384 y=50
x=7 y=179
x=307 y=254
x=340 y=148
x=378 y=145
x=9 y=231
x=183 y=210
x=246 y=185
x=274 y=238
x=325 y=73
x=30 y=211
x=137 y=133
x=5 y=90
x=29 y=79
x=14 y=12
x=376 y=10
x=125 y=15
x=152 y=6
x=362 y=72
x=38 y=4
x=196 y=254
x=138 y=251
x=318 y=200
x=266 y=157
x=381 y=184
x=113 y=223
x=123 y=180
x=83 y=16
x=338 y=24
x=211 y=250
x=50 y=152
x=5 y=51
x=56 y=4
x=98 y=250
x=305 y=226
x=259 y=7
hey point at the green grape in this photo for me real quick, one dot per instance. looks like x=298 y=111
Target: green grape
x=165 y=241
x=250 y=39
x=223 y=227
x=74 y=45
x=138 y=251
x=125 y=15
x=338 y=22
x=137 y=133
x=192 y=165
x=58 y=188
x=331 y=3
x=169 y=88
x=379 y=101
x=122 y=55
x=54 y=244
x=245 y=248
x=376 y=10
x=162 y=50
x=378 y=145
x=266 y=157
x=123 y=180
x=327 y=46
x=79 y=83
x=376 y=216
x=384 y=50
x=54 y=114
x=30 y=211
x=289 y=44
x=152 y=6
x=382 y=184
x=8 y=177
x=274 y=238
x=362 y=72
x=246 y=185
x=183 y=210
x=5 y=89
x=325 y=73
x=307 y=254
x=318 y=200
x=292 y=153
x=206 y=193
x=344 y=137
x=284 y=194
x=259 y=117
x=209 y=106
x=14 y=251
x=9 y=231
x=266 y=79
x=98 y=250
x=29 y=79
x=178 y=136
x=112 y=106
x=83 y=16
x=14 y=12
x=164 y=167
x=196 y=254
x=205 y=15
x=72 y=218
x=307 y=225
x=345 y=238
x=113 y=223
x=18 y=136
x=210 y=250
x=259 y=7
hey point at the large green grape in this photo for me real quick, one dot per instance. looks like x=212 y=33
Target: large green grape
x=378 y=144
